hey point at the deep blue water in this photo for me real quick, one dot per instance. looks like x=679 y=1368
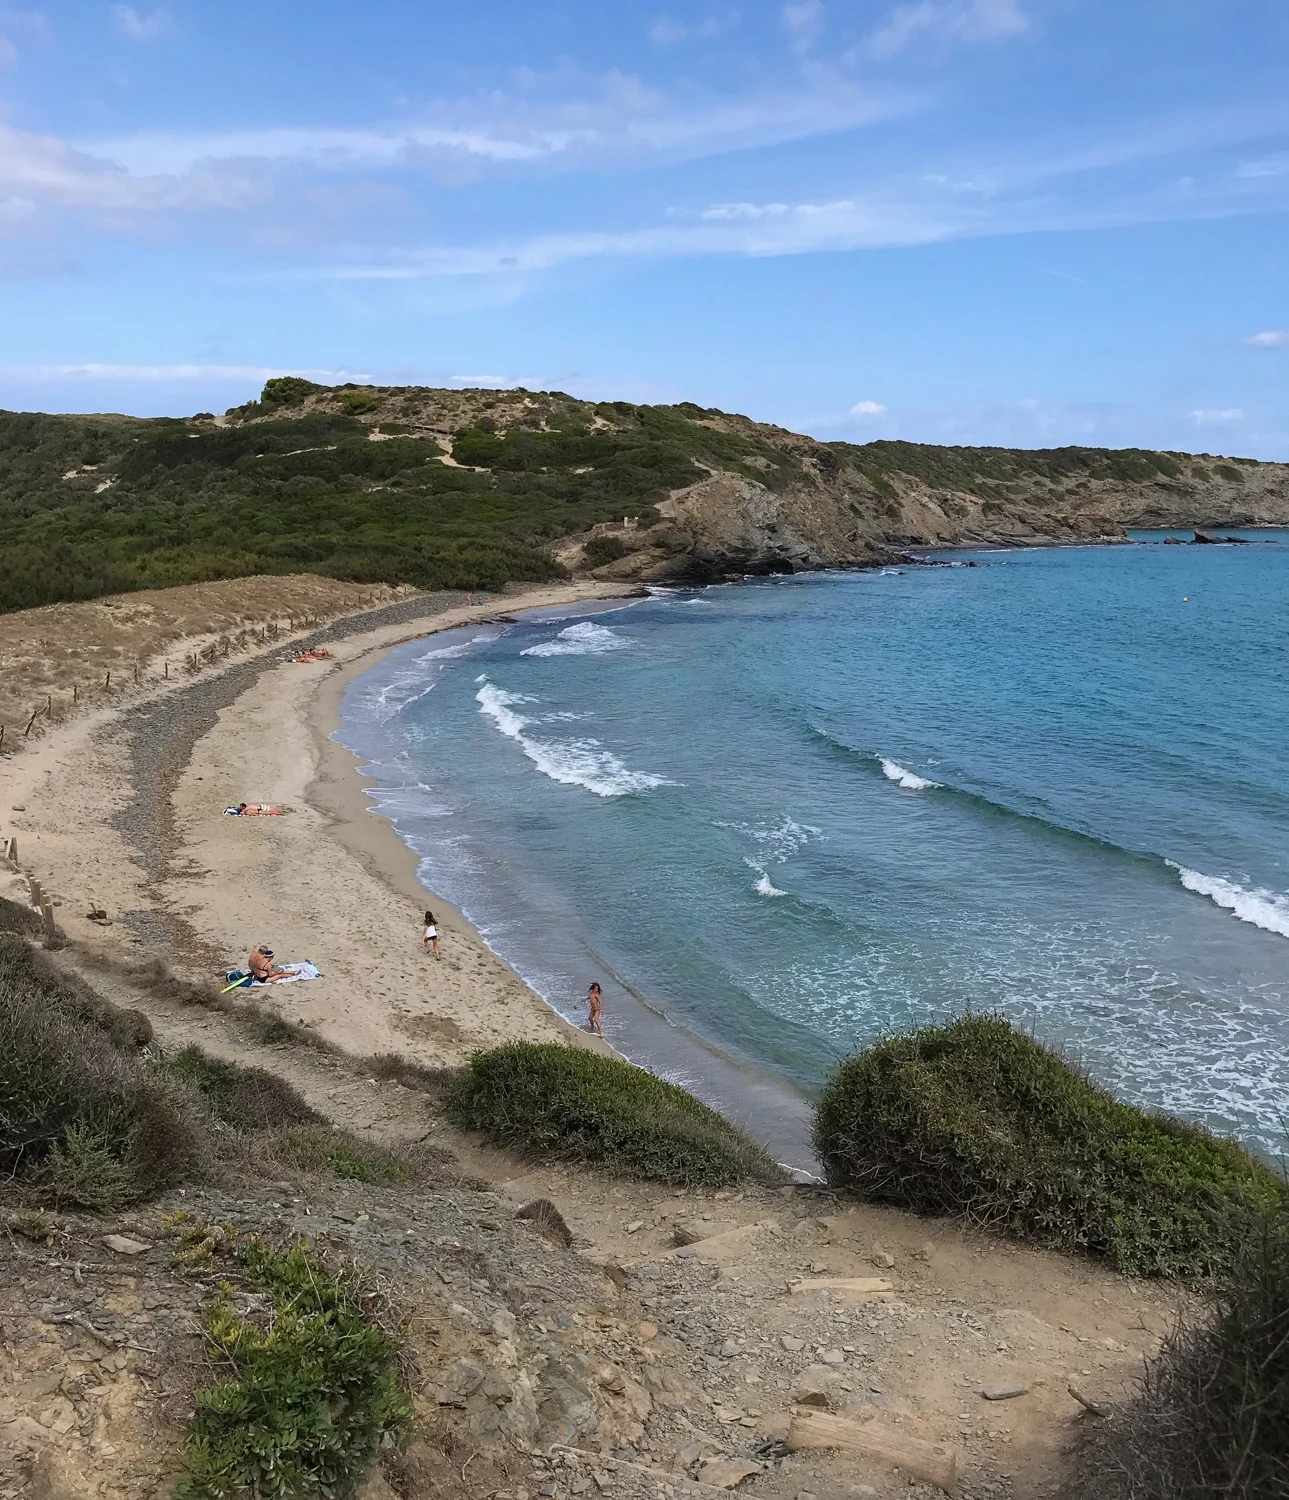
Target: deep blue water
x=794 y=814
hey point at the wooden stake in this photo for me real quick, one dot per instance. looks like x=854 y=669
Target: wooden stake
x=166 y=670
x=30 y=722
x=107 y=683
x=75 y=694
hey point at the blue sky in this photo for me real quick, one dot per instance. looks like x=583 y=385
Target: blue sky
x=1014 y=221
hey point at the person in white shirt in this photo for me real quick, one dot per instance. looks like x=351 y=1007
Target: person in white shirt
x=431 y=935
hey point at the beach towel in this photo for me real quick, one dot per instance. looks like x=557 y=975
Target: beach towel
x=319 y=653
x=240 y=979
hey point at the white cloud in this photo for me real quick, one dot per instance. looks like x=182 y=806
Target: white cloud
x=152 y=374
x=947 y=23
x=1269 y=166
x=867 y=409
x=666 y=31
x=1269 y=338
x=134 y=26
x=803 y=20
x=744 y=211
x=1217 y=418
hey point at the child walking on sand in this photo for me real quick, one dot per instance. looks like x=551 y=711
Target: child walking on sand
x=431 y=935
x=596 y=1002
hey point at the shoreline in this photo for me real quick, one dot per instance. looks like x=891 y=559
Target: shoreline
x=753 y=1097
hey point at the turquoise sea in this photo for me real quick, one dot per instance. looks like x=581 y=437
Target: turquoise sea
x=779 y=818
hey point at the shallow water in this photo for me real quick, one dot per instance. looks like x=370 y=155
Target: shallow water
x=793 y=814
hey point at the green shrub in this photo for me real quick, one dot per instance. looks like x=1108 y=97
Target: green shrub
x=975 y=1119
x=80 y=1116
x=313 y=1387
x=287 y=390
x=247 y=1098
x=15 y=917
x=559 y=1103
x=1211 y=1417
x=323 y=1149
x=601 y=549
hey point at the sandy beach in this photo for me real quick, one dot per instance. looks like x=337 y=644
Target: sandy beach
x=123 y=810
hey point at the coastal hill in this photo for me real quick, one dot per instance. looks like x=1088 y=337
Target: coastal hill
x=475 y=488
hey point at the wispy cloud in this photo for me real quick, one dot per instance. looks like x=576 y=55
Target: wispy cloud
x=867 y=409
x=803 y=20
x=1217 y=417
x=1269 y=338
x=617 y=119
x=941 y=24
x=667 y=31
x=160 y=374
x=1268 y=166
x=135 y=26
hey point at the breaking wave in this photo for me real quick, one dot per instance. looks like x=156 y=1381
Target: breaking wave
x=1262 y=908
x=906 y=779
x=583 y=639
x=581 y=762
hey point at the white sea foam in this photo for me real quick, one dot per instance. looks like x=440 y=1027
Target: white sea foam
x=906 y=779
x=764 y=886
x=778 y=841
x=583 y=762
x=583 y=639
x=1262 y=908
x=395 y=696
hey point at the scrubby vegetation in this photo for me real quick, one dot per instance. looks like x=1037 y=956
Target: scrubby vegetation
x=1212 y=1415
x=312 y=1385
x=81 y=1117
x=90 y=1119
x=294 y=482
x=978 y=1120
x=558 y=1103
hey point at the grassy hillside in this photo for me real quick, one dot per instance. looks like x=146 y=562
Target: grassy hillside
x=465 y=489
x=94 y=505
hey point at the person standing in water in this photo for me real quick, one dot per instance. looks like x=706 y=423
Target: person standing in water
x=431 y=935
x=595 y=1000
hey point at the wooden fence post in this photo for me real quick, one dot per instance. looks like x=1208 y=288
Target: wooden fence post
x=107 y=683
x=30 y=722
x=1 y=736
x=75 y=695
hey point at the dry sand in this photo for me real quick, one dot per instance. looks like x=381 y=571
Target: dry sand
x=330 y=881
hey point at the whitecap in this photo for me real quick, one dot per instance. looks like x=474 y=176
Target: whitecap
x=581 y=762
x=1260 y=907
x=583 y=639
x=906 y=779
x=764 y=886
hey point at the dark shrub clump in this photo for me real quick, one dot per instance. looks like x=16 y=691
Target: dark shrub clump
x=247 y=1098
x=1212 y=1415
x=975 y=1119
x=560 y=1103
x=80 y=1116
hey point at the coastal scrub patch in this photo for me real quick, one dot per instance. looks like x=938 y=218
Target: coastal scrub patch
x=558 y=1103
x=312 y=1385
x=976 y=1119
x=245 y=1097
x=82 y=1119
x=324 y=1149
x=1212 y=1412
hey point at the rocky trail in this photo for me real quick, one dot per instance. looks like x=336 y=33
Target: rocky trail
x=682 y=1343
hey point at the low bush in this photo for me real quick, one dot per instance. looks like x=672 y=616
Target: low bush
x=559 y=1103
x=247 y=1098
x=976 y=1119
x=313 y=1385
x=325 y=1150
x=1212 y=1415
x=81 y=1117
x=601 y=549
x=15 y=917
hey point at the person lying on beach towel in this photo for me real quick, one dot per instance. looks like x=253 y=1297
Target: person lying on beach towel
x=255 y=810
x=319 y=653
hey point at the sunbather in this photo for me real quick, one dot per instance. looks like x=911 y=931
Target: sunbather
x=255 y=810
x=263 y=969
